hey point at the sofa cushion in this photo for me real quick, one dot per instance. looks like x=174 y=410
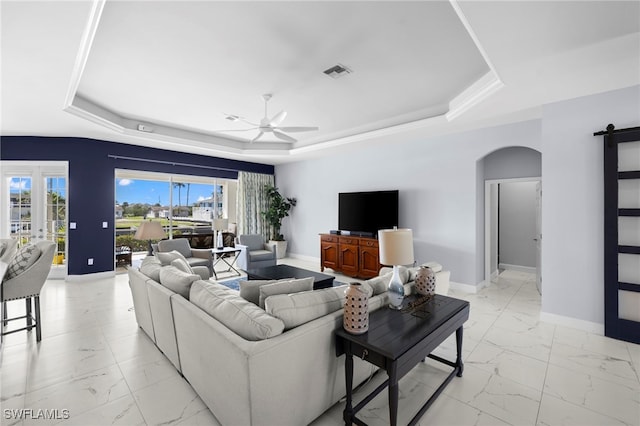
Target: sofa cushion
x=258 y=255
x=176 y=280
x=166 y=257
x=239 y=315
x=284 y=287
x=25 y=257
x=182 y=264
x=151 y=267
x=299 y=308
x=250 y=289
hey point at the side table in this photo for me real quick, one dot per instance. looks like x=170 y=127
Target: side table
x=221 y=255
x=397 y=341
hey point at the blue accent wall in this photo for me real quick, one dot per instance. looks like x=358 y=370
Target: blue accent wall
x=91 y=195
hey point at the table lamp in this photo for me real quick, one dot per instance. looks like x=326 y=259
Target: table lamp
x=220 y=225
x=396 y=249
x=150 y=231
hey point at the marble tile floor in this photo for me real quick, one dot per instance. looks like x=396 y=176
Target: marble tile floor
x=94 y=366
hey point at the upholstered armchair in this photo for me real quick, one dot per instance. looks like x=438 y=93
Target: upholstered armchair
x=26 y=274
x=8 y=247
x=254 y=253
x=195 y=257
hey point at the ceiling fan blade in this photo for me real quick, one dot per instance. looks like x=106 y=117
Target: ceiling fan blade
x=257 y=137
x=237 y=130
x=248 y=122
x=284 y=137
x=278 y=118
x=297 y=129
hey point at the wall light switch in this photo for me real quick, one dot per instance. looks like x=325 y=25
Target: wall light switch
x=105 y=225
x=72 y=225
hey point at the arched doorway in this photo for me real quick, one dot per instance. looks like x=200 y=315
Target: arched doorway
x=515 y=172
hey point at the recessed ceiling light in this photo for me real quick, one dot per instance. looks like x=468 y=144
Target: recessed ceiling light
x=337 y=71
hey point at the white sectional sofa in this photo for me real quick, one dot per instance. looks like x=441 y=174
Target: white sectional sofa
x=288 y=378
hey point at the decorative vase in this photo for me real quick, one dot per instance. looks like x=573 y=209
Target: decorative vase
x=426 y=281
x=356 y=309
x=395 y=289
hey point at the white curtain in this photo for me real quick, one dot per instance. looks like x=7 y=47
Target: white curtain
x=251 y=201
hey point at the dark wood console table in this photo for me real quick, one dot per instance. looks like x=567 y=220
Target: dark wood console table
x=352 y=256
x=397 y=341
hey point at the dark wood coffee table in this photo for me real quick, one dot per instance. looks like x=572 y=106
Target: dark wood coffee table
x=278 y=272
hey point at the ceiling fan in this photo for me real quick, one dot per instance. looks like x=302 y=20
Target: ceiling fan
x=267 y=125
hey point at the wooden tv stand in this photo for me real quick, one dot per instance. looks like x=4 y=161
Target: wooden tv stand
x=356 y=257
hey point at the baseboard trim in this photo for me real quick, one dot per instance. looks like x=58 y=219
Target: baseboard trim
x=588 y=326
x=518 y=268
x=467 y=288
x=494 y=275
x=90 y=277
x=304 y=257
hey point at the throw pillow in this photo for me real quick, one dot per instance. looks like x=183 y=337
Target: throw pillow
x=23 y=259
x=250 y=289
x=176 y=280
x=299 y=308
x=182 y=264
x=284 y=287
x=237 y=314
x=150 y=267
x=3 y=247
x=166 y=257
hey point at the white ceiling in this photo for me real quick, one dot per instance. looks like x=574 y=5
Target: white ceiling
x=420 y=68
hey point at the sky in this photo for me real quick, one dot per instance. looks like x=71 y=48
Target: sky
x=17 y=184
x=152 y=192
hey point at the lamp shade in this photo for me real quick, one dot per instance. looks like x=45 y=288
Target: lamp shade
x=150 y=231
x=220 y=224
x=396 y=246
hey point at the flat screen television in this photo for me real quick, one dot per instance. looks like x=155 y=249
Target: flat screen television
x=364 y=213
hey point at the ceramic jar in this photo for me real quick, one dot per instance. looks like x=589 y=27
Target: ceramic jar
x=356 y=309
x=425 y=281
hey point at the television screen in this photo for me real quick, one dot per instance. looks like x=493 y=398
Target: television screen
x=367 y=212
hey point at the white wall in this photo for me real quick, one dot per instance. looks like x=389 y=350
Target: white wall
x=517 y=224
x=437 y=179
x=572 y=200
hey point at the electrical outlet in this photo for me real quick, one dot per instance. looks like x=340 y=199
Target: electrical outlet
x=90 y=261
x=72 y=225
x=105 y=225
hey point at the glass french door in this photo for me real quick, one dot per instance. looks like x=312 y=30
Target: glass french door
x=34 y=206
x=622 y=233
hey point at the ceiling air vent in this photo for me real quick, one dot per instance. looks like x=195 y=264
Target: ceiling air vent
x=337 y=71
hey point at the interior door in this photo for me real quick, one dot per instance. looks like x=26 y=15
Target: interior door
x=622 y=233
x=34 y=206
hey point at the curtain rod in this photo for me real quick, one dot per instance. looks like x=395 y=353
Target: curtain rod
x=171 y=163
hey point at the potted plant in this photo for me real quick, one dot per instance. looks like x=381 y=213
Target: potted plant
x=278 y=208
